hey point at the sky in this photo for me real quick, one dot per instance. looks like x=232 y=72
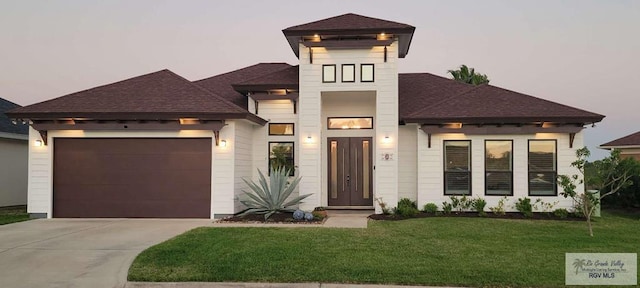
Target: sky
x=580 y=53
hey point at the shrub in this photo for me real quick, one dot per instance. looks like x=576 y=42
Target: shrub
x=499 y=209
x=269 y=198
x=430 y=208
x=461 y=204
x=319 y=215
x=524 y=206
x=447 y=207
x=561 y=213
x=478 y=206
x=406 y=208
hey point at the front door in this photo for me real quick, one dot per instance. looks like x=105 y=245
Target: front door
x=350 y=171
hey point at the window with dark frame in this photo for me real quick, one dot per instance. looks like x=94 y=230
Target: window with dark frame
x=277 y=129
x=344 y=123
x=457 y=167
x=348 y=73
x=281 y=155
x=542 y=160
x=498 y=166
x=329 y=73
x=367 y=73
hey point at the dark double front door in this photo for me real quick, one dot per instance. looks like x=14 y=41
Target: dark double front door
x=350 y=171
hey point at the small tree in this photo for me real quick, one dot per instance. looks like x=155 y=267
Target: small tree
x=607 y=176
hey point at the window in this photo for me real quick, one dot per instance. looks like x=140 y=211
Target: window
x=348 y=73
x=498 y=167
x=281 y=154
x=457 y=167
x=281 y=129
x=542 y=168
x=350 y=123
x=366 y=73
x=328 y=73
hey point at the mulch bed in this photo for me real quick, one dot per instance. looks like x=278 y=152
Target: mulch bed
x=507 y=215
x=277 y=218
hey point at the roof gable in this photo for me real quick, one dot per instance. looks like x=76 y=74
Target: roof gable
x=222 y=84
x=151 y=95
x=6 y=126
x=350 y=25
x=349 y=21
x=629 y=140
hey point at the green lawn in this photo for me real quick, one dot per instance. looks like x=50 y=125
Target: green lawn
x=428 y=251
x=13 y=214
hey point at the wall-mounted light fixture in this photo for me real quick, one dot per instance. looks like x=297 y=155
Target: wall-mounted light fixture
x=223 y=143
x=386 y=140
x=38 y=143
x=309 y=139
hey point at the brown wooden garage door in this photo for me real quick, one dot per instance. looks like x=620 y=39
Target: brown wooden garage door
x=132 y=177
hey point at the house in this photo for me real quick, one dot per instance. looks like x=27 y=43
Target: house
x=352 y=126
x=13 y=154
x=629 y=146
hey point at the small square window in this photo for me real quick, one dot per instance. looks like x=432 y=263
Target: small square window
x=348 y=73
x=366 y=73
x=328 y=73
x=280 y=128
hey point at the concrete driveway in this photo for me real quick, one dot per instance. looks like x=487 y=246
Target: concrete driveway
x=79 y=252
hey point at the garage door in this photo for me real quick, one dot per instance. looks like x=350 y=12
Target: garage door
x=132 y=177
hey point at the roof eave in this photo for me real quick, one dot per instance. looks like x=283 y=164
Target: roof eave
x=502 y=120
x=137 y=116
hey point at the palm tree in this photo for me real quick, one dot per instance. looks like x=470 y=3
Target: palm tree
x=468 y=75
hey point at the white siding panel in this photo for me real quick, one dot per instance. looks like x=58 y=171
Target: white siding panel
x=431 y=171
x=408 y=161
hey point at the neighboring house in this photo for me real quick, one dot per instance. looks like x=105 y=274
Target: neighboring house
x=13 y=158
x=354 y=129
x=629 y=146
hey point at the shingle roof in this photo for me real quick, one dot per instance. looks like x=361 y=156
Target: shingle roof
x=283 y=79
x=6 y=126
x=490 y=104
x=419 y=90
x=349 y=21
x=221 y=84
x=350 y=25
x=629 y=140
x=151 y=96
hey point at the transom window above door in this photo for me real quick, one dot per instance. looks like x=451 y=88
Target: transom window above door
x=340 y=123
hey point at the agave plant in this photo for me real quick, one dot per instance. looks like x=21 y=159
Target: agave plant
x=269 y=198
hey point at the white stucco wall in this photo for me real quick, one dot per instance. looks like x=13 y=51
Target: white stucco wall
x=311 y=121
x=430 y=167
x=13 y=170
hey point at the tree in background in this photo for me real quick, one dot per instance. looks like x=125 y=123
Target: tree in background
x=609 y=176
x=468 y=75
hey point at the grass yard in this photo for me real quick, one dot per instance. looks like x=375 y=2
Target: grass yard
x=13 y=214
x=427 y=251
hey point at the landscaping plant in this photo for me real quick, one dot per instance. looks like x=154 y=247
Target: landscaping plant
x=430 y=208
x=523 y=205
x=383 y=206
x=499 y=209
x=406 y=208
x=269 y=198
x=478 y=205
x=608 y=176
